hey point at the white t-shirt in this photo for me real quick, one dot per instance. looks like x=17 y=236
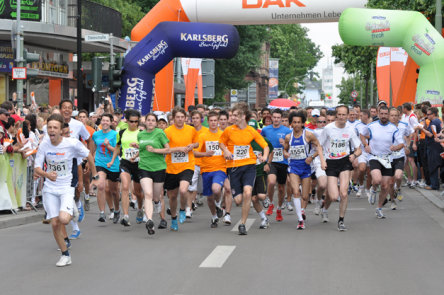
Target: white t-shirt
x=76 y=128
x=59 y=159
x=404 y=131
x=338 y=141
x=411 y=120
x=382 y=137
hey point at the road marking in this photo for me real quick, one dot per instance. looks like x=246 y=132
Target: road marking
x=217 y=258
x=354 y=209
x=248 y=224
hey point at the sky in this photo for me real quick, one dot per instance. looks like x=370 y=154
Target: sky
x=326 y=35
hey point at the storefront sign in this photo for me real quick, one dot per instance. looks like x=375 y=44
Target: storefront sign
x=51 y=69
x=6 y=57
x=31 y=10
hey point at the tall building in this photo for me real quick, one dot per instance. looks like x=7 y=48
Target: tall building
x=328 y=84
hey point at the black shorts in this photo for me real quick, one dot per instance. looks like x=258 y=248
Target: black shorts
x=132 y=168
x=112 y=176
x=412 y=153
x=335 y=167
x=172 y=181
x=75 y=173
x=313 y=176
x=280 y=170
x=241 y=176
x=156 y=176
x=398 y=164
x=374 y=164
x=260 y=185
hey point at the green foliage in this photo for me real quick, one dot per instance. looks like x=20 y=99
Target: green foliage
x=297 y=54
x=146 y=5
x=346 y=88
x=427 y=7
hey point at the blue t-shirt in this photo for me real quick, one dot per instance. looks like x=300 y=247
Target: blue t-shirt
x=273 y=135
x=103 y=155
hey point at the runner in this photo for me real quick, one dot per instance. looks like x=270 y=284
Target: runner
x=58 y=154
x=235 y=142
x=228 y=198
x=129 y=170
x=384 y=138
x=153 y=145
x=410 y=118
x=278 y=164
x=321 y=177
x=213 y=167
x=338 y=139
x=180 y=163
x=297 y=148
x=363 y=158
x=105 y=141
x=353 y=121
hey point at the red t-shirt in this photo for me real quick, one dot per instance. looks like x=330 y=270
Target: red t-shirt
x=311 y=126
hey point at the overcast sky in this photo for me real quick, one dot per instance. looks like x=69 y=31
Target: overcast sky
x=326 y=35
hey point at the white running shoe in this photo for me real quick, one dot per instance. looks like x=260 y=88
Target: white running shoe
x=324 y=216
x=64 y=261
x=393 y=206
x=227 y=219
x=111 y=216
x=157 y=207
x=317 y=209
x=379 y=213
x=372 y=196
x=145 y=219
x=289 y=206
x=188 y=212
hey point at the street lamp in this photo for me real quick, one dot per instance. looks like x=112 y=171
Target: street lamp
x=286 y=84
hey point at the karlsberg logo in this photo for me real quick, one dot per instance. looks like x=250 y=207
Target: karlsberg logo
x=154 y=53
x=267 y=3
x=203 y=37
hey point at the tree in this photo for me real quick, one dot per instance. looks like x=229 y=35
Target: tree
x=346 y=88
x=297 y=54
x=426 y=7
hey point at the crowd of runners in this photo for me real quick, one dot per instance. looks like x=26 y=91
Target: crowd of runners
x=169 y=163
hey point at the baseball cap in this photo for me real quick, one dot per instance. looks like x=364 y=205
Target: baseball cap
x=315 y=113
x=3 y=111
x=381 y=102
x=92 y=114
x=162 y=117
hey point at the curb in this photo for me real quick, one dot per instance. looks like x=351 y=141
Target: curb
x=430 y=195
x=21 y=219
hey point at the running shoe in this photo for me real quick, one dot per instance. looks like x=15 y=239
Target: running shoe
x=317 y=209
x=188 y=213
x=75 y=235
x=219 y=212
x=412 y=184
x=116 y=217
x=399 y=195
x=266 y=202
x=86 y=201
x=242 y=230
x=264 y=223
x=393 y=206
x=279 y=215
x=168 y=211
x=270 y=210
x=324 y=216
x=214 y=222
x=81 y=212
x=289 y=206
x=133 y=204
x=193 y=206
x=356 y=187
x=379 y=213
x=157 y=207
x=102 y=217
x=421 y=183
x=125 y=221
x=64 y=261
x=150 y=227
x=283 y=207
x=163 y=224
x=182 y=216
x=341 y=226
x=303 y=214
x=360 y=192
x=139 y=216
x=174 y=225
x=145 y=219
x=372 y=196
x=301 y=225
x=199 y=200
x=227 y=219
x=111 y=216
x=75 y=213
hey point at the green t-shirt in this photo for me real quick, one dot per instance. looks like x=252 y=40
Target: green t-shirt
x=124 y=138
x=121 y=126
x=258 y=149
x=205 y=122
x=152 y=161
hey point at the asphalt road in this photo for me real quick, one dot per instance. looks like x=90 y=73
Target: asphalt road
x=402 y=254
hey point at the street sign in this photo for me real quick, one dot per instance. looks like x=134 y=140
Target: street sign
x=233 y=95
x=354 y=94
x=19 y=73
x=97 y=38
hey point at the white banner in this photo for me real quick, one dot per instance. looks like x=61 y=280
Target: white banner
x=191 y=63
x=383 y=58
x=399 y=55
x=248 y=12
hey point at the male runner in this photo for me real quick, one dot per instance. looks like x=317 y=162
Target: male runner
x=228 y=198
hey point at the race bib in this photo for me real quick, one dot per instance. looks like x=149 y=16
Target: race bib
x=297 y=152
x=385 y=161
x=179 y=157
x=241 y=152
x=338 y=148
x=278 y=155
x=61 y=168
x=131 y=153
x=258 y=154
x=397 y=154
x=214 y=147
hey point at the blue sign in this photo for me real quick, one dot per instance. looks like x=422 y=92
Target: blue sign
x=165 y=42
x=6 y=57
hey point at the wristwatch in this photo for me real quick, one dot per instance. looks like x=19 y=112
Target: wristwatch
x=96 y=177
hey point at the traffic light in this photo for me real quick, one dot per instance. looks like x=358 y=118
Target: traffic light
x=115 y=75
x=28 y=59
x=355 y=101
x=97 y=74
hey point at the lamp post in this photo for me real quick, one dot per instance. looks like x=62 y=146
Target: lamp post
x=286 y=84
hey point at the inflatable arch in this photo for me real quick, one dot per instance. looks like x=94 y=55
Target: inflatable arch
x=407 y=29
x=166 y=41
x=239 y=12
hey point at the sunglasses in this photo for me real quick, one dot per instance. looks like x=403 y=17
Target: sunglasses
x=322 y=122
x=131 y=121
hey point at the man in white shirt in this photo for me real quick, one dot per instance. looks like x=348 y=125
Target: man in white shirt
x=409 y=117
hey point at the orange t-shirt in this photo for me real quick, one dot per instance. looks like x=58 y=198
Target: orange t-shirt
x=217 y=161
x=197 y=161
x=422 y=133
x=238 y=142
x=178 y=162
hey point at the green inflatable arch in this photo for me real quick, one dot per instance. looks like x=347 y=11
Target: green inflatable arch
x=407 y=29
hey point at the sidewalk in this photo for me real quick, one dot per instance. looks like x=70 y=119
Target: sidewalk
x=433 y=196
